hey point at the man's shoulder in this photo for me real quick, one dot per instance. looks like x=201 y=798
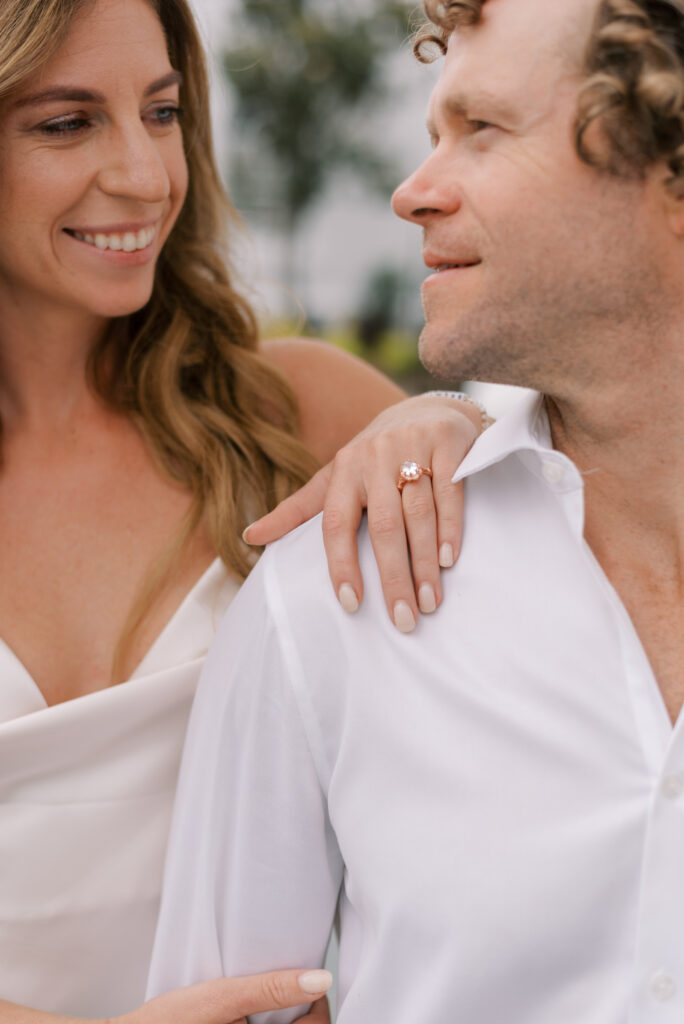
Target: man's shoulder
x=291 y=591
x=296 y=564
x=293 y=575
x=289 y=586
x=277 y=610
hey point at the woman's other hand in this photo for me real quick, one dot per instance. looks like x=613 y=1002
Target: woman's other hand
x=414 y=532
x=232 y=1000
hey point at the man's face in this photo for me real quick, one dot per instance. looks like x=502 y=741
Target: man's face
x=535 y=255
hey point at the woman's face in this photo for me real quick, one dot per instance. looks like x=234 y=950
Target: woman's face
x=92 y=168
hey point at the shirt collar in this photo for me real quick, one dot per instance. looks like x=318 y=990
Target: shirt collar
x=524 y=428
x=526 y=433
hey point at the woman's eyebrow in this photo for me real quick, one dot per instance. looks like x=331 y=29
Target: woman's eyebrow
x=173 y=78
x=74 y=94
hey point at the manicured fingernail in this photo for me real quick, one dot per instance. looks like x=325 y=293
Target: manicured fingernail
x=403 y=617
x=245 y=532
x=347 y=598
x=427 y=601
x=446 y=556
x=313 y=982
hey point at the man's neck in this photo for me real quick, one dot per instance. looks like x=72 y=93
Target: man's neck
x=630 y=447
x=631 y=453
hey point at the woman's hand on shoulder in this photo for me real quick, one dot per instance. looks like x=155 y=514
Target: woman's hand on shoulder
x=414 y=532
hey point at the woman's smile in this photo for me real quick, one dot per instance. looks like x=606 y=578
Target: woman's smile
x=127 y=246
x=128 y=241
x=92 y=169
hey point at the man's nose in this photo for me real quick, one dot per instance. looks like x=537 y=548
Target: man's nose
x=135 y=168
x=429 y=191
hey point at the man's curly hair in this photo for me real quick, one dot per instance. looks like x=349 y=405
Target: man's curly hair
x=633 y=96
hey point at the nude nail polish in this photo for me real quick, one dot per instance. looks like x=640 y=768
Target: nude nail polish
x=346 y=595
x=403 y=617
x=446 y=556
x=313 y=982
x=427 y=601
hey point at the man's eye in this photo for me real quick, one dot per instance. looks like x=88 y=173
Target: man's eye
x=65 y=126
x=479 y=126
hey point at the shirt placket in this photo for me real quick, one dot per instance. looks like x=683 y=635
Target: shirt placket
x=658 y=982
x=659 y=967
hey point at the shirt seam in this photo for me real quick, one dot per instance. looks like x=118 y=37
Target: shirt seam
x=295 y=674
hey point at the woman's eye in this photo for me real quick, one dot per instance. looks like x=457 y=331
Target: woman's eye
x=64 y=127
x=166 y=115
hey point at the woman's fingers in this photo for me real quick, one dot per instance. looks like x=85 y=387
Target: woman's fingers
x=448 y=498
x=230 y=1000
x=343 y=510
x=413 y=533
x=388 y=536
x=420 y=517
x=292 y=512
x=403 y=531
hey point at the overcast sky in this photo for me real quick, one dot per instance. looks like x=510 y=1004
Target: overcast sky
x=210 y=13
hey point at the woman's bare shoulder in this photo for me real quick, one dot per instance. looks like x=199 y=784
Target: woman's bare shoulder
x=338 y=393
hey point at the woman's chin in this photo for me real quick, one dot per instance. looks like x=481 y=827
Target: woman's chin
x=115 y=306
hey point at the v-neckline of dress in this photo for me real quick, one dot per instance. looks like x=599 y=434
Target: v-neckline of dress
x=184 y=637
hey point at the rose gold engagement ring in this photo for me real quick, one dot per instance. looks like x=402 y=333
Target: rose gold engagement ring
x=410 y=472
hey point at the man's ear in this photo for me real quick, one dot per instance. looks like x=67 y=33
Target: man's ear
x=673 y=198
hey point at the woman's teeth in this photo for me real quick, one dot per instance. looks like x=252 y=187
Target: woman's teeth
x=131 y=241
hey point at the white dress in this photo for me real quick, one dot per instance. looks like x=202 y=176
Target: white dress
x=86 y=789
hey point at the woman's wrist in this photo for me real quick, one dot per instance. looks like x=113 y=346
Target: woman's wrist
x=484 y=420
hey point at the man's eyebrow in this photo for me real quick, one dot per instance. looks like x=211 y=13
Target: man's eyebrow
x=74 y=94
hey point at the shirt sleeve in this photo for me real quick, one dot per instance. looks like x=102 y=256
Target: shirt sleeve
x=253 y=870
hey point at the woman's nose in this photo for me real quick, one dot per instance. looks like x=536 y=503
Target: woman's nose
x=136 y=168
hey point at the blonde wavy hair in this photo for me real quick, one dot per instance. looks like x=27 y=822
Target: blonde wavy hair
x=219 y=420
x=633 y=96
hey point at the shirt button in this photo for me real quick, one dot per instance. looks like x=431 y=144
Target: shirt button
x=552 y=472
x=663 y=987
x=672 y=786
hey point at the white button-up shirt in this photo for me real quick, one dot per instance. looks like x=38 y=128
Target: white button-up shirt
x=495 y=804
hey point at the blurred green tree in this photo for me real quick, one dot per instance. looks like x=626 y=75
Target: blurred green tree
x=305 y=74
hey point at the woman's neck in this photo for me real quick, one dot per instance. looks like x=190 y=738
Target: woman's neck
x=43 y=363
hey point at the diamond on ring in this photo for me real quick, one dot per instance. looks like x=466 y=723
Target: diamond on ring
x=410 y=472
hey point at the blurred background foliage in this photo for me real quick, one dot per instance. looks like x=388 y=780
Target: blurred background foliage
x=301 y=72
x=308 y=78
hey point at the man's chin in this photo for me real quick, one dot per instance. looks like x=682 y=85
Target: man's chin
x=444 y=354
x=457 y=352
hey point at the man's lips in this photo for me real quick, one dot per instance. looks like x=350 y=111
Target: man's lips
x=450 y=268
x=438 y=262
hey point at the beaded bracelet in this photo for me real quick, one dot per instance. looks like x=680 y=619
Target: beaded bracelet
x=460 y=396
